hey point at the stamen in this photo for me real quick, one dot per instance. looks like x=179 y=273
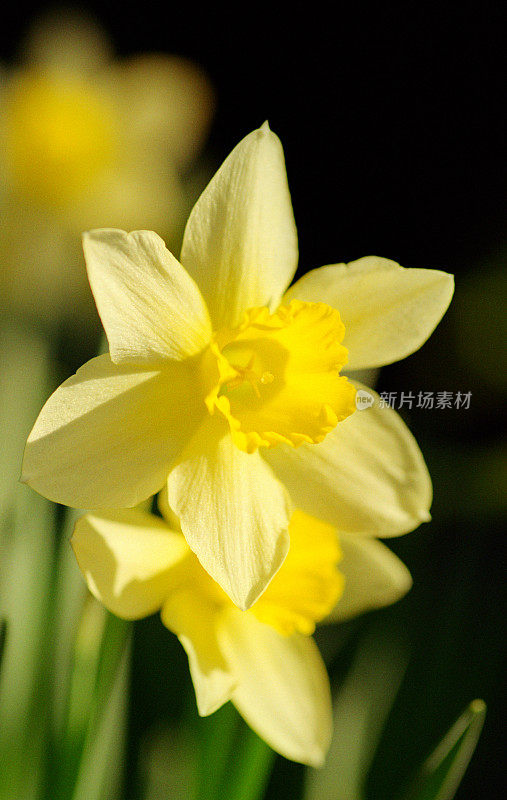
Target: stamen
x=249 y=375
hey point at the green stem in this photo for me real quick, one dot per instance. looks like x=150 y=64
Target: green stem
x=235 y=762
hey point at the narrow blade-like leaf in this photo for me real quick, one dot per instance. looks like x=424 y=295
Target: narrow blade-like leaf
x=442 y=773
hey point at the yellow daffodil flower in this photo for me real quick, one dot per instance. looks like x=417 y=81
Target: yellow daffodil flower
x=74 y=156
x=228 y=390
x=264 y=659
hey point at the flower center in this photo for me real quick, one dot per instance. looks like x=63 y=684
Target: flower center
x=59 y=136
x=277 y=376
x=248 y=364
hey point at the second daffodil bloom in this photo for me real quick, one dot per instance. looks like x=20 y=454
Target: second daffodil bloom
x=264 y=659
x=227 y=387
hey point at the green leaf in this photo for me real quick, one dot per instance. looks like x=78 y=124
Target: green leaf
x=27 y=537
x=88 y=754
x=101 y=767
x=69 y=602
x=3 y=630
x=217 y=734
x=168 y=762
x=79 y=694
x=235 y=762
x=249 y=768
x=442 y=773
x=360 y=709
x=25 y=382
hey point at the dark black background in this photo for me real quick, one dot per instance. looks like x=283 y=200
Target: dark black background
x=391 y=119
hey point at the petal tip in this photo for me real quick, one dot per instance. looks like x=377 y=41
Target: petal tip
x=316 y=758
x=245 y=600
x=97 y=233
x=447 y=284
x=451 y=284
x=401 y=580
x=208 y=706
x=405 y=583
x=422 y=515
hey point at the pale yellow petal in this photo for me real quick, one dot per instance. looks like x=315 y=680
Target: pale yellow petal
x=109 y=435
x=282 y=686
x=150 y=307
x=187 y=614
x=165 y=509
x=131 y=560
x=240 y=243
x=368 y=476
x=234 y=513
x=308 y=585
x=374 y=577
x=388 y=311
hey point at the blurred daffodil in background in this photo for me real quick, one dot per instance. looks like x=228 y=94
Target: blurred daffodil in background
x=227 y=389
x=264 y=659
x=88 y=139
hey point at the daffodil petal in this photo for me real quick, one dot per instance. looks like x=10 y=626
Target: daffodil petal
x=129 y=559
x=374 y=577
x=165 y=509
x=388 y=311
x=368 y=476
x=109 y=435
x=194 y=621
x=150 y=307
x=282 y=686
x=240 y=242
x=233 y=512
